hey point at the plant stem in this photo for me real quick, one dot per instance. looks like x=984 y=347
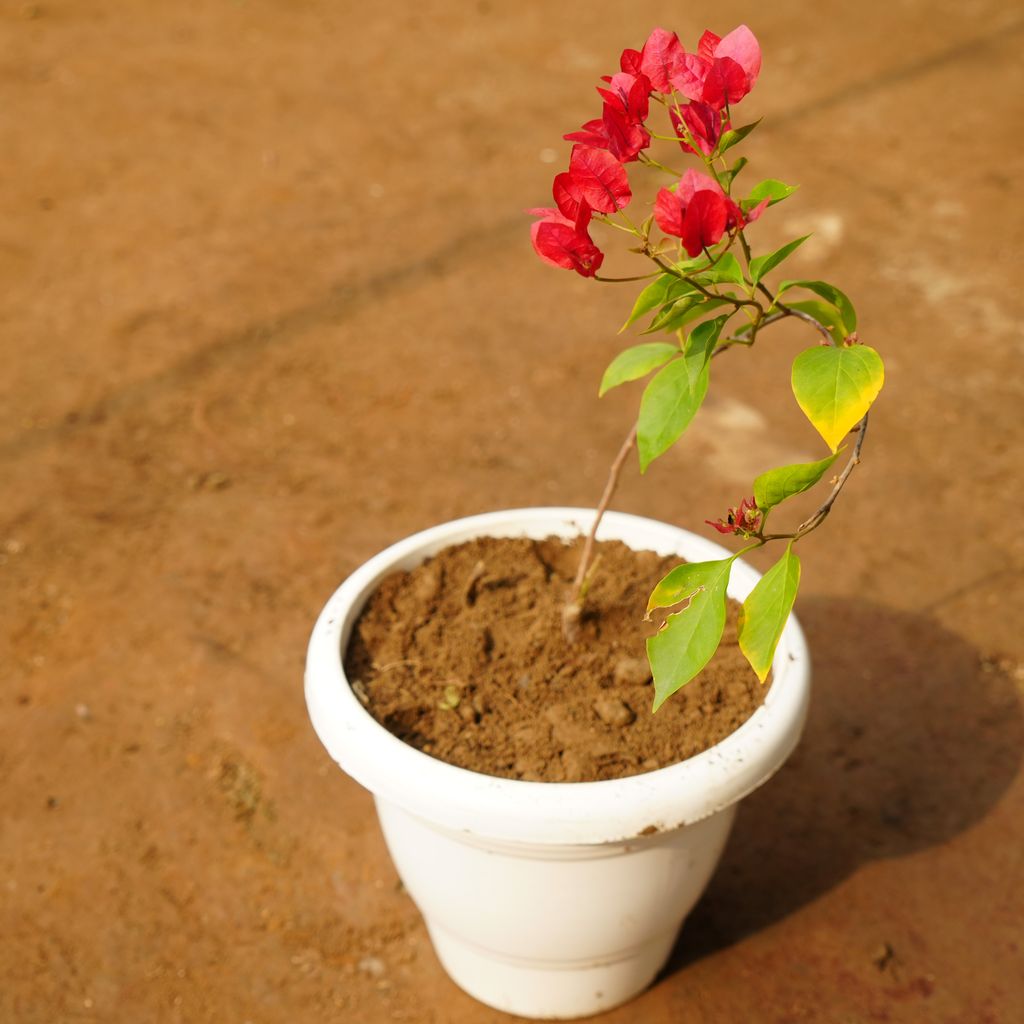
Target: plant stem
x=619 y=280
x=813 y=321
x=572 y=609
x=669 y=269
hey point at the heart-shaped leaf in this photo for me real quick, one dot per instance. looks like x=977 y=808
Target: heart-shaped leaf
x=836 y=386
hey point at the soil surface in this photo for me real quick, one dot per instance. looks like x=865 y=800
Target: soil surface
x=269 y=305
x=465 y=659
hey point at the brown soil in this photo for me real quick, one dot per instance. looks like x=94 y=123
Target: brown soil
x=464 y=658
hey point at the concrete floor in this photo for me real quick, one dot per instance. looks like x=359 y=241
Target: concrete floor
x=269 y=304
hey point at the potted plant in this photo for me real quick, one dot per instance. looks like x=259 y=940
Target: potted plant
x=563 y=898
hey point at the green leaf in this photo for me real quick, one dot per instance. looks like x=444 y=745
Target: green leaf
x=694 y=264
x=688 y=639
x=766 y=610
x=760 y=265
x=727 y=177
x=771 y=189
x=704 y=337
x=636 y=362
x=668 y=405
x=831 y=294
x=825 y=313
x=668 y=317
x=775 y=486
x=734 y=135
x=836 y=386
x=727 y=268
x=707 y=306
x=662 y=289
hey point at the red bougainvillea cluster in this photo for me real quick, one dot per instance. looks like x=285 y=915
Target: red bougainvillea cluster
x=712 y=80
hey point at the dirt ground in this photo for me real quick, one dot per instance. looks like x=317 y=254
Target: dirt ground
x=268 y=304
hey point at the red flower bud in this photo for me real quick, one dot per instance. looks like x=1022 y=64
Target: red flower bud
x=742 y=521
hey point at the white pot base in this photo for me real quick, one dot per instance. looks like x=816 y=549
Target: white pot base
x=570 y=991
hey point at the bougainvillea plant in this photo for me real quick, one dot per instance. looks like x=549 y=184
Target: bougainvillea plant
x=709 y=293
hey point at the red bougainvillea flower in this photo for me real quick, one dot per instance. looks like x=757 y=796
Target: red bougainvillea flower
x=740 y=45
x=629 y=94
x=699 y=212
x=613 y=132
x=630 y=61
x=620 y=129
x=722 y=71
x=704 y=123
x=565 y=243
x=742 y=521
x=661 y=59
x=594 y=177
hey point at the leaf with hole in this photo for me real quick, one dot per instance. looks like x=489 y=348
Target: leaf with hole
x=689 y=637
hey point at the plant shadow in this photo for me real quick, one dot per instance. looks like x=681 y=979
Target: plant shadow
x=911 y=739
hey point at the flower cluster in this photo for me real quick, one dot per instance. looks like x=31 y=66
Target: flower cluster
x=743 y=520
x=718 y=75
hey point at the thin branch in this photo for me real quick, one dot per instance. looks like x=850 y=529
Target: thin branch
x=813 y=321
x=815 y=520
x=669 y=269
x=620 y=280
x=571 y=611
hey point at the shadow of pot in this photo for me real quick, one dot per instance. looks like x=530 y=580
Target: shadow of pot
x=911 y=739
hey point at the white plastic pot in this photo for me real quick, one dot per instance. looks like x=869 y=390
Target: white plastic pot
x=550 y=900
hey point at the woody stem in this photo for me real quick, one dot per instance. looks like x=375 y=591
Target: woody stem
x=571 y=610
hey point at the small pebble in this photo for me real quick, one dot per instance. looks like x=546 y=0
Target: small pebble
x=632 y=672
x=83 y=712
x=428 y=586
x=613 y=711
x=372 y=965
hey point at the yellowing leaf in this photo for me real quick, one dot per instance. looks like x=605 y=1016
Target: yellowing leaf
x=836 y=386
